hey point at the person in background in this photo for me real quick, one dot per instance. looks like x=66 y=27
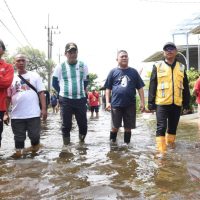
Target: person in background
x=54 y=101
x=196 y=92
x=6 y=77
x=123 y=81
x=47 y=97
x=168 y=93
x=70 y=80
x=93 y=99
x=25 y=113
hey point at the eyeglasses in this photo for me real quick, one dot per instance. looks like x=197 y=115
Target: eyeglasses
x=20 y=60
x=169 y=48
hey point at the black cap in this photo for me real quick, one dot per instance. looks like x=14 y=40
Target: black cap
x=70 y=46
x=169 y=44
x=2 y=45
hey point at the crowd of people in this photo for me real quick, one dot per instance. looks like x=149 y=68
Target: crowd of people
x=168 y=94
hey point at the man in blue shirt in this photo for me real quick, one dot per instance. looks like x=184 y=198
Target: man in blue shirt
x=123 y=81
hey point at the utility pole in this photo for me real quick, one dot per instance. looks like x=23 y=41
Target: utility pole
x=49 y=50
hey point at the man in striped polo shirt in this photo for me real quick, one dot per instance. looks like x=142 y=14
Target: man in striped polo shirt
x=70 y=80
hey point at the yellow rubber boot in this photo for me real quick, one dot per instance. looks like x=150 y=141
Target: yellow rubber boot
x=170 y=140
x=161 y=144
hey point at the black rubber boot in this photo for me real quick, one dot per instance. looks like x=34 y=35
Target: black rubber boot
x=66 y=140
x=113 y=136
x=127 y=137
x=81 y=137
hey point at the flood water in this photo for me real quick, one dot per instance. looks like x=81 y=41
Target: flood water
x=99 y=170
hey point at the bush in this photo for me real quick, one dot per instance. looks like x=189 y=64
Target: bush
x=193 y=75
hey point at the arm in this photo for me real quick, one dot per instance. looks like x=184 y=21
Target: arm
x=108 y=105
x=43 y=103
x=86 y=81
x=152 y=89
x=6 y=78
x=6 y=117
x=142 y=104
x=186 y=92
x=55 y=84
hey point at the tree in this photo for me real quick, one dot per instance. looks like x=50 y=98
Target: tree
x=36 y=62
x=92 y=82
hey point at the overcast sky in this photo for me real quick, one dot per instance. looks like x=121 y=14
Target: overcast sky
x=99 y=27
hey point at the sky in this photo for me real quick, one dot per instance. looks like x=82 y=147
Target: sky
x=99 y=27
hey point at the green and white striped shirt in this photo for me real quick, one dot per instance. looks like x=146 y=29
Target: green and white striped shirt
x=71 y=79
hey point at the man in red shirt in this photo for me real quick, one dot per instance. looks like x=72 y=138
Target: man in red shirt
x=6 y=77
x=93 y=98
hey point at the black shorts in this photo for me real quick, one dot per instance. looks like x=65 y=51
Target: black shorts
x=30 y=125
x=125 y=114
x=94 y=108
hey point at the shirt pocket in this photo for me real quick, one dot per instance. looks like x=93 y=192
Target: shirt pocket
x=163 y=90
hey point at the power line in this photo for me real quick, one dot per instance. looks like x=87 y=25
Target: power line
x=175 y=2
x=17 y=23
x=11 y=32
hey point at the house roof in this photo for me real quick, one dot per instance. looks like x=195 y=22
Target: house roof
x=193 y=54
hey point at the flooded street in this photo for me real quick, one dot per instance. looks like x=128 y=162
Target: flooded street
x=99 y=170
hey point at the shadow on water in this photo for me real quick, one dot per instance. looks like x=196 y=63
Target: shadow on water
x=100 y=170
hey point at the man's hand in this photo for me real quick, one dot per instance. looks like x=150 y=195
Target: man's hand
x=142 y=107
x=186 y=111
x=108 y=107
x=44 y=114
x=149 y=111
x=6 y=118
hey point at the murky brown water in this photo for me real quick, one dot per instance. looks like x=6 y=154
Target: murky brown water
x=97 y=170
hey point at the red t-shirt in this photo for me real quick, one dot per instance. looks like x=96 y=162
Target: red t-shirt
x=6 y=77
x=197 y=90
x=93 y=98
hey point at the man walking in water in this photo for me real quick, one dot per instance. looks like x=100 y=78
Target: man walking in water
x=123 y=81
x=168 y=92
x=6 y=77
x=70 y=81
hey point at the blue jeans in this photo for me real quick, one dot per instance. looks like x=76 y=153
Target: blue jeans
x=79 y=109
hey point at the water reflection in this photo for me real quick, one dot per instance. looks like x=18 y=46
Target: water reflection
x=100 y=170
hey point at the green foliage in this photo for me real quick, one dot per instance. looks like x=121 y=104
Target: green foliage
x=137 y=104
x=193 y=75
x=7 y=57
x=93 y=82
x=36 y=61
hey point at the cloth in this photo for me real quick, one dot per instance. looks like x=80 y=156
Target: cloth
x=79 y=109
x=25 y=102
x=93 y=98
x=167 y=119
x=127 y=114
x=54 y=100
x=69 y=80
x=94 y=108
x=1 y=124
x=123 y=83
x=6 y=77
x=19 y=128
x=153 y=89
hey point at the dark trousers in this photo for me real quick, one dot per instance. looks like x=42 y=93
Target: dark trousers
x=79 y=109
x=167 y=119
x=1 y=125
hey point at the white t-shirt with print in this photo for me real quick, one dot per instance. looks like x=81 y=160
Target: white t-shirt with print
x=25 y=102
